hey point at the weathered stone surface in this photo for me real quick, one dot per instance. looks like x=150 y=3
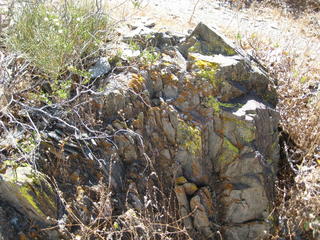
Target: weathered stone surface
x=205 y=118
x=254 y=230
x=243 y=154
x=127 y=147
x=212 y=42
x=6 y=230
x=29 y=191
x=184 y=207
x=199 y=121
x=200 y=218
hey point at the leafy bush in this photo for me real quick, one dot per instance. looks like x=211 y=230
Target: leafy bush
x=52 y=38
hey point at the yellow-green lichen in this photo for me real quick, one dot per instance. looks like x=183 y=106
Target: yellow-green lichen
x=195 y=48
x=189 y=137
x=247 y=133
x=136 y=82
x=207 y=70
x=181 y=180
x=230 y=51
x=229 y=152
x=245 y=129
x=39 y=196
x=212 y=102
x=27 y=195
x=31 y=186
x=215 y=46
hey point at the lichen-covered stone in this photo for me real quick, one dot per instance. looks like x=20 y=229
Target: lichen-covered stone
x=211 y=41
x=30 y=192
x=199 y=122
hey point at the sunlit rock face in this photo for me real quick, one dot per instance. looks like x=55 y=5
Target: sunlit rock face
x=207 y=119
x=198 y=115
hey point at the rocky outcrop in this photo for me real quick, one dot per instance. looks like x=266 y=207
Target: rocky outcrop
x=194 y=117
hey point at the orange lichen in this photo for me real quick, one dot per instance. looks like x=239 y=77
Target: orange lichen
x=136 y=83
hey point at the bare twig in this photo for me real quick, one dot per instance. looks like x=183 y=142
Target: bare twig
x=193 y=11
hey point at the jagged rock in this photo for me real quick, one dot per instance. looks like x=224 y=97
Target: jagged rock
x=233 y=76
x=212 y=115
x=29 y=192
x=180 y=60
x=243 y=158
x=200 y=218
x=184 y=207
x=210 y=42
x=246 y=200
x=127 y=148
x=168 y=129
x=207 y=201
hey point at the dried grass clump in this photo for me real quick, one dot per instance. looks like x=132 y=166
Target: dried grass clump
x=156 y=219
x=296 y=71
x=302 y=5
x=295 y=6
x=299 y=211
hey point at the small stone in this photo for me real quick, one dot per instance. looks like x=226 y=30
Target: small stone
x=190 y=188
x=22 y=236
x=75 y=176
x=181 y=180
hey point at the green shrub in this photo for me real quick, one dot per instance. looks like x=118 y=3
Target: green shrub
x=52 y=38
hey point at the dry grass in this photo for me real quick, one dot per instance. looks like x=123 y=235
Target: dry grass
x=294 y=6
x=157 y=219
x=297 y=72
